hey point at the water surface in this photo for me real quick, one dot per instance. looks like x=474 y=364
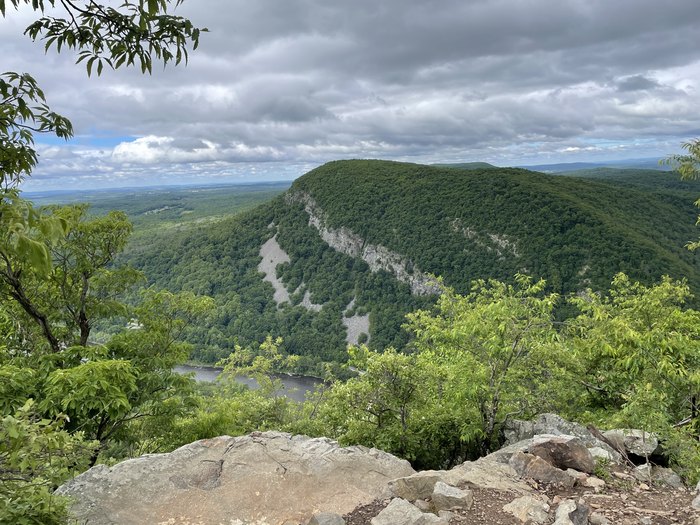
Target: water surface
x=293 y=387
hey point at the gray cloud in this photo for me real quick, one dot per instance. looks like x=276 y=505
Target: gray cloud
x=293 y=83
x=637 y=83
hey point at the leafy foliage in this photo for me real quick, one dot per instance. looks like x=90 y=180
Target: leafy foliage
x=501 y=343
x=35 y=455
x=134 y=32
x=56 y=278
x=71 y=388
x=23 y=111
x=688 y=166
x=400 y=403
x=640 y=353
x=476 y=360
x=477 y=224
x=79 y=289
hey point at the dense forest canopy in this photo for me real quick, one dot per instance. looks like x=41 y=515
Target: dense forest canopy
x=459 y=224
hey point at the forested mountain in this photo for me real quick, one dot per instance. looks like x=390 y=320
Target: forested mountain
x=389 y=220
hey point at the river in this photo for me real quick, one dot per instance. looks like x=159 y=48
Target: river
x=293 y=387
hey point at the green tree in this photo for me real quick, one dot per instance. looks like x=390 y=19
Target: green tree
x=35 y=455
x=640 y=353
x=56 y=278
x=100 y=387
x=399 y=403
x=504 y=353
x=688 y=166
x=80 y=288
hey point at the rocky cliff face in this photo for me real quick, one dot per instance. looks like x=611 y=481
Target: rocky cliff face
x=376 y=256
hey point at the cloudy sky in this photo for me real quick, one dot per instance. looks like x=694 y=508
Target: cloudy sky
x=280 y=86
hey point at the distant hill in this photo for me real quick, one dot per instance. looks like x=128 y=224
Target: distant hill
x=649 y=164
x=467 y=165
x=360 y=237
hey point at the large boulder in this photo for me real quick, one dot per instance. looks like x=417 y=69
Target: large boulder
x=563 y=452
x=634 y=441
x=417 y=486
x=446 y=497
x=518 y=430
x=518 y=433
x=571 y=513
x=534 y=467
x=529 y=509
x=267 y=477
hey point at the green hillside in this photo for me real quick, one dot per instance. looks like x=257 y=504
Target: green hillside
x=467 y=165
x=459 y=224
x=652 y=180
x=558 y=227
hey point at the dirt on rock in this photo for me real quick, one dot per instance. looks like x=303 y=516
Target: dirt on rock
x=623 y=501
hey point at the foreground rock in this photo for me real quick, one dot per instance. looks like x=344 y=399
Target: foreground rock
x=518 y=432
x=264 y=478
x=278 y=479
x=544 y=476
x=634 y=442
x=563 y=452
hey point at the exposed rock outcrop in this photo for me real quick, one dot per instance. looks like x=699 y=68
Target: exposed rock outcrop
x=546 y=480
x=517 y=432
x=633 y=441
x=376 y=256
x=277 y=479
x=356 y=324
x=263 y=478
x=563 y=452
x=273 y=255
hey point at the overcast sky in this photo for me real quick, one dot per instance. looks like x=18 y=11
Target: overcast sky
x=280 y=86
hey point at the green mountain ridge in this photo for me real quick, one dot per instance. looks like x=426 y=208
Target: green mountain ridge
x=460 y=224
x=466 y=165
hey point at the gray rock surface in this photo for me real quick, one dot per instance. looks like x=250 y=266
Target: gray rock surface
x=634 y=441
x=642 y=473
x=326 y=518
x=486 y=473
x=401 y=512
x=593 y=482
x=534 y=467
x=696 y=502
x=606 y=455
x=446 y=497
x=598 y=519
x=529 y=509
x=563 y=452
x=517 y=430
x=666 y=476
x=564 y=510
x=571 y=513
x=417 y=486
x=262 y=478
x=398 y=512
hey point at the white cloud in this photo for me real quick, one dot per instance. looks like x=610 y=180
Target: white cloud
x=293 y=82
